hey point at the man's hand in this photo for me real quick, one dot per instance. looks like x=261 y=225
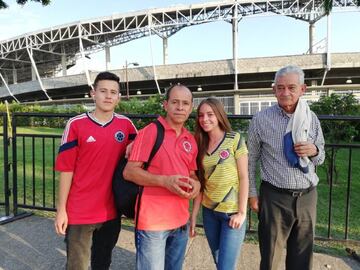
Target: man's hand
x=195 y=187
x=61 y=222
x=181 y=185
x=305 y=149
x=254 y=204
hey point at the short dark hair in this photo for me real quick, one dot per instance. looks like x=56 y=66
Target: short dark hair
x=106 y=76
x=168 y=91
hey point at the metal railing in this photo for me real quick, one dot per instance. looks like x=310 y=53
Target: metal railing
x=349 y=178
x=34 y=182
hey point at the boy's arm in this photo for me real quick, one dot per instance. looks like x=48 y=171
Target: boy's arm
x=61 y=220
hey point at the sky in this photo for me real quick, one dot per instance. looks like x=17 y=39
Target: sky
x=258 y=36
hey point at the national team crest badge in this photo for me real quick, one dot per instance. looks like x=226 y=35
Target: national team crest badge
x=119 y=136
x=187 y=146
x=224 y=154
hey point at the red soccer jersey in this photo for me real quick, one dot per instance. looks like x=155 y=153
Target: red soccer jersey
x=161 y=209
x=91 y=151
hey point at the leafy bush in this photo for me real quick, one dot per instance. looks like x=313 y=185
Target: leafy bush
x=337 y=131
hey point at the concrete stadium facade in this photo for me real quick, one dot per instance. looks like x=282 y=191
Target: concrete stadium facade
x=28 y=63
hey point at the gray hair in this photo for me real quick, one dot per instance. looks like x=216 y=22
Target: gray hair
x=291 y=69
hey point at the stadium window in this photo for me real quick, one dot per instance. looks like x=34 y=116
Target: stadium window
x=244 y=108
x=264 y=105
x=254 y=107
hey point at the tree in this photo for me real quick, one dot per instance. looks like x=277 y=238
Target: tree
x=23 y=2
x=345 y=131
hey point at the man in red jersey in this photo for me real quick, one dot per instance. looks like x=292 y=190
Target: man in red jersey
x=169 y=183
x=91 y=146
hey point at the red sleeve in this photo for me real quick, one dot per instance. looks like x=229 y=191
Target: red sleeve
x=143 y=144
x=68 y=150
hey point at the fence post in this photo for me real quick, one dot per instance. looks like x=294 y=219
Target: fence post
x=348 y=195
x=14 y=164
x=7 y=191
x=332 y=164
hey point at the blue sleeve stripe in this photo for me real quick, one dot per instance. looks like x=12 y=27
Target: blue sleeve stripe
x=68 y=145
x=132 y=136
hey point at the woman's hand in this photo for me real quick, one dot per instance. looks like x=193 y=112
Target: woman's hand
x=192 y=232
x=237 y=220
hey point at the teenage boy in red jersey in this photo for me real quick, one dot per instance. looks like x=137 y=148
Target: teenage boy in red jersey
x=91 y=146
x=169 y=183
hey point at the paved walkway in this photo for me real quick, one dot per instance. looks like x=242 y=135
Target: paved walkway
x=31 y=243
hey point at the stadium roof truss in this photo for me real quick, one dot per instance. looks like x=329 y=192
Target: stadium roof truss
x=50 y=50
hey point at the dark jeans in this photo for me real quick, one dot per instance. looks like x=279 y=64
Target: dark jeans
x=95 y=239
x=286 y=220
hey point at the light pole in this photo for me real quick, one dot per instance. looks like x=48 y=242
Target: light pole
x=135 y=64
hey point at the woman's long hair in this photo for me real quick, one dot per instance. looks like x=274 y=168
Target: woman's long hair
x=202 y=137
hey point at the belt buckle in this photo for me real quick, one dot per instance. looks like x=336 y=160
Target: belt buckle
x=296 y=193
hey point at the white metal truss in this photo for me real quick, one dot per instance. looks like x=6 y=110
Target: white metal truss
x=48 y=46
x=33 y=65
x=86 y=70
x=7 y=88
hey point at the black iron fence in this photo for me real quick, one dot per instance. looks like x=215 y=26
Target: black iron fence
x=348 y=183
x=30 y=156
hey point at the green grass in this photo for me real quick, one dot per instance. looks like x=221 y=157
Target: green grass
x=37 y=130
x=38 y=180
x=40 y=130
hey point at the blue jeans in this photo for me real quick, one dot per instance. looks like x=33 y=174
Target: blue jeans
x=225 y=242
x=158 y=250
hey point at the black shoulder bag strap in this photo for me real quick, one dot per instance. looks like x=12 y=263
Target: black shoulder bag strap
x=158 y=142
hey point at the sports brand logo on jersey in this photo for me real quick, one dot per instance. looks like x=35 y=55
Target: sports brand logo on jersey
x=90 y=139
x=119 y=136
x=224 y=154
x=187 y=146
